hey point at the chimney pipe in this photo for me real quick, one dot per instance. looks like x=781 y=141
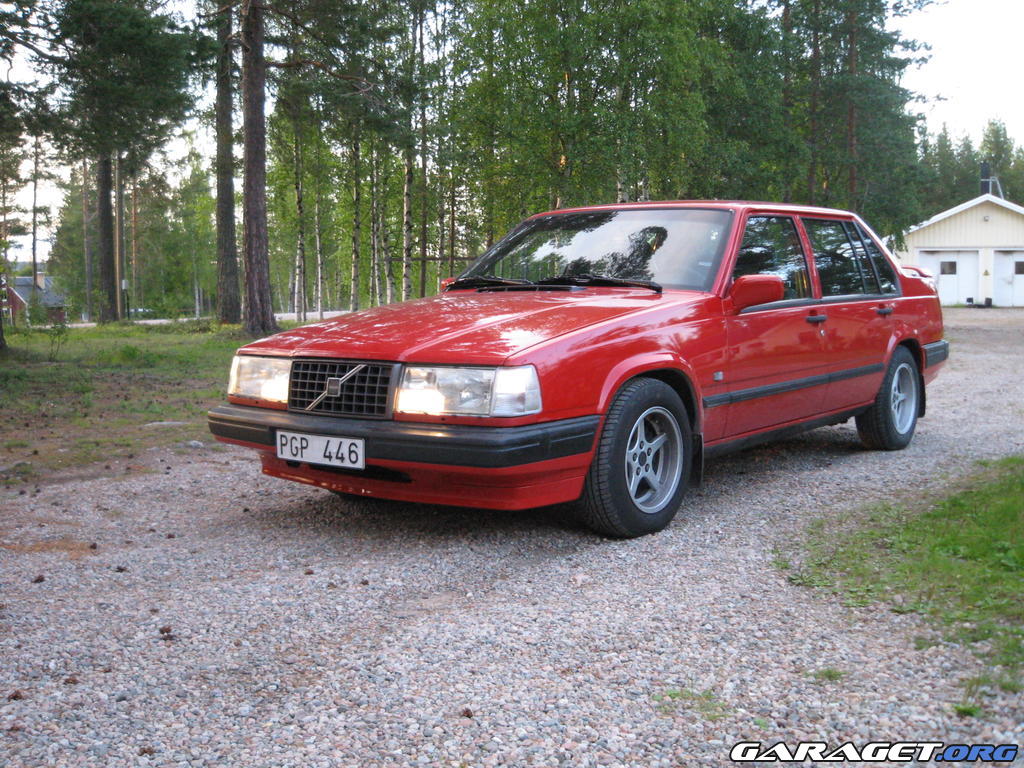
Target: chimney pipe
x=986 y=178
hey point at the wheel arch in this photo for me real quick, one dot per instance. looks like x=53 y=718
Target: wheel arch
x=672 y=371
x=678 y=375
x=913 y=346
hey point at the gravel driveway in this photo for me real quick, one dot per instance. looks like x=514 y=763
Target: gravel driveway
x=193 y=612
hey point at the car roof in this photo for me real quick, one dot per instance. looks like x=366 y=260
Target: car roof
x=729 y=205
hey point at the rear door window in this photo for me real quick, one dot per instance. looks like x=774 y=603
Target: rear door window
x=886 y=273
x=843 y=269
x=771 y=246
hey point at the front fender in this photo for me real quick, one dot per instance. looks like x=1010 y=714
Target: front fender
x=681 y=376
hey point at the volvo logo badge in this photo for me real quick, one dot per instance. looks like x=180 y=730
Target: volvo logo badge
x=333 y=386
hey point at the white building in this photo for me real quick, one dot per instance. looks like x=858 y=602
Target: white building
x=975 y=251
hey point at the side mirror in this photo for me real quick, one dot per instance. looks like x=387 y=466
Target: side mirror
x=446 y=282
x=751 y=290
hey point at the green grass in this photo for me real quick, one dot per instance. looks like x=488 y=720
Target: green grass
x=92 y=403
x=967 y=710
x=959 y=561
x=828 y=675
x=704 y=703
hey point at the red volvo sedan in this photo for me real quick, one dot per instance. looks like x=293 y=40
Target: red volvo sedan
x=598 y=356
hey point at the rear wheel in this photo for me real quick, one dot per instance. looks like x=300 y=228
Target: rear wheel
x=889 y=424
x=639 y=475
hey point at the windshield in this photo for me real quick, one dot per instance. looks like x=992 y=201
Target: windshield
x=674 y=247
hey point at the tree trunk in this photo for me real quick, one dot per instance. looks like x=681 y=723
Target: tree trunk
x=229 y=309
x=135 y=245
x=259 y=311
x=108 y=274
x=300 y=246
x=451 y=229
x=36 y=151
x=407 y=226
x=442 y=224
x=86 y=241
x=319 y=244
x=851 y=111
x=4 y=239
x=375 y=287
x=421 y=22
x=390 y=287
x=356 y=223
x=787 y=88
x=119 y=234
x=812 y=165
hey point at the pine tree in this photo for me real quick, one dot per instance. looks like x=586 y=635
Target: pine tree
x=229 y=306
x=123 y=79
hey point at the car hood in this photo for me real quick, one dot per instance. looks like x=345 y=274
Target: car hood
x=462 y=326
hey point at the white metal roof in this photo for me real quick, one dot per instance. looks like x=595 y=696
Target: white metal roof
x=987 y=198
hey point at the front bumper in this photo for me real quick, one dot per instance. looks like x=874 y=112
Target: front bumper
x=491 y=467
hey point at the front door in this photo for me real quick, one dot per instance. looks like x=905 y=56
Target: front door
x=775 y=373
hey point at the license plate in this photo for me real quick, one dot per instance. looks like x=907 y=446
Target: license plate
x=348 y=452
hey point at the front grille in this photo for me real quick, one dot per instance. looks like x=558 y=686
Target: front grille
x=365 y=394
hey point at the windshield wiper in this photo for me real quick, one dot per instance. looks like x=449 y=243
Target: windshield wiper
x=601 y=280
x=484 y=281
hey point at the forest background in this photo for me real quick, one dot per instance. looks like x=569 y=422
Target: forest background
x=366 y=149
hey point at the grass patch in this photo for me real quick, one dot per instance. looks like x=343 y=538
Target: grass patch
x=922 y=643
x=704 y=703
x=959 y=561
x=828 y=675
x=967 y=710
x=93 y=402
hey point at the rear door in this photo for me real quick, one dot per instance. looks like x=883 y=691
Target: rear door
x=858 y=295
x=776 y=372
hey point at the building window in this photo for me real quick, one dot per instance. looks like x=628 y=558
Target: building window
x=1018 y=268
x=947 y=267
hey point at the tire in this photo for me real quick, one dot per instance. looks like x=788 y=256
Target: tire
x=647 y=439
x=889 y=424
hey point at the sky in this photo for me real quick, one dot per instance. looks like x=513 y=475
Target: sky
x=973 y=75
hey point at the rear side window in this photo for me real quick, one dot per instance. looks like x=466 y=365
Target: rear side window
x=843 y=269
x=884 y=269
x=771 y=246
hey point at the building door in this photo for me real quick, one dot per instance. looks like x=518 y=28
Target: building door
x=956 y=275
x=1008 y=286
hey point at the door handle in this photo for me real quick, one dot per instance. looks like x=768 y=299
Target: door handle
x=816 y=318
x=883 y=311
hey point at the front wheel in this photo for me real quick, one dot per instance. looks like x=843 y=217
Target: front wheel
x=890 y=422
x=639 y=475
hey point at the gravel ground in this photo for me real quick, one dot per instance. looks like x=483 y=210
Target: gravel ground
x=193 y=612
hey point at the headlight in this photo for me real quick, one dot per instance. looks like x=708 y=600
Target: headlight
x=469 y=391
x=265 y=378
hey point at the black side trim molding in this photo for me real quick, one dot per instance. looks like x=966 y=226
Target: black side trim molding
x=781 y=304
x=459 y=445
x=740 y=395
x=935 y=353
x=779 y=434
